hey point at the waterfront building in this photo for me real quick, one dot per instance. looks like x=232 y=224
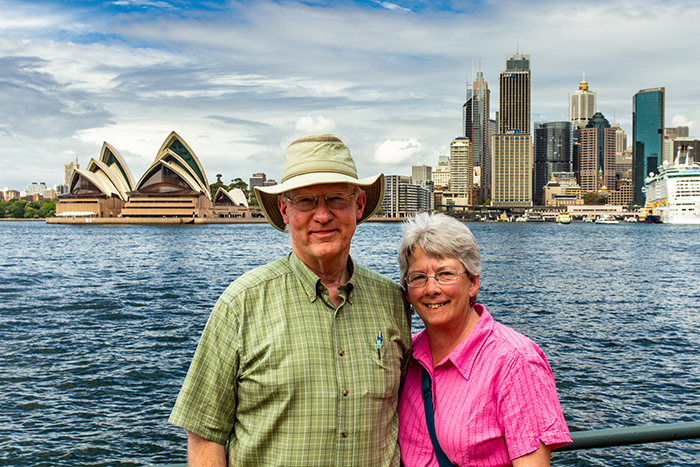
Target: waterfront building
x=511 y=169
x=231 y=203
x=561 y=190
x=9 y=195
x=670 y=134
x=35 y=188
x=582 y=104
x=623 y=196
x=258 y=179
x=100 y=190
x=514 y=95
x=422 y=175
x=553 y=151
x=477 y=127
x=623 y=167
x=620 y=138
x=441 y=174
x=175 y=185
x=648 y=107
x=597 y=142
x=68 y=170
x=403 y=198
x=461 y=165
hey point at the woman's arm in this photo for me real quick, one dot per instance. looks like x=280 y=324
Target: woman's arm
x=538 y=458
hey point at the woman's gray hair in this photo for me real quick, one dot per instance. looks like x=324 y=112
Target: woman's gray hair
x=440 y=236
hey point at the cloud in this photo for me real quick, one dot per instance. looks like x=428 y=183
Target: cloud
x=682 y=120
x=396 y=152
x=320 y=125
x=392 y=6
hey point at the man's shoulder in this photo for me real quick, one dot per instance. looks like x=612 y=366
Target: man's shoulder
x=374 y=279
x=258 y=277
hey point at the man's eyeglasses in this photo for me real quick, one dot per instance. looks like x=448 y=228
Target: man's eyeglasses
x=445 y=277
x=333 y=201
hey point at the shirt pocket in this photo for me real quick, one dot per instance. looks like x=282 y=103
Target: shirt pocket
x=383 y=373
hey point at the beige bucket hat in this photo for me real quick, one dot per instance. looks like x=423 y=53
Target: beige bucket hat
x=315 y=160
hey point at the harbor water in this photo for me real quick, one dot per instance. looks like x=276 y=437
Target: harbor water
x=98 y=325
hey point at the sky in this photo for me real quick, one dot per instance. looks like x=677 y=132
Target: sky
x=240 y=80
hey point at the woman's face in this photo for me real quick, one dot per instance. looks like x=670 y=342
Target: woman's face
x=440 y=305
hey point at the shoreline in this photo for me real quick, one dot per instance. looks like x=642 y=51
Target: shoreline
x=174 y=220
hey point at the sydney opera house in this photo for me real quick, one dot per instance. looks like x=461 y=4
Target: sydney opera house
x=174 y=189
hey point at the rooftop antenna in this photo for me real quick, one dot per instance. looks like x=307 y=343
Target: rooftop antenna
x=517 y=49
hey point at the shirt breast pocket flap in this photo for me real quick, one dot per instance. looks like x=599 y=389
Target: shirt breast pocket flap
x=383 y=370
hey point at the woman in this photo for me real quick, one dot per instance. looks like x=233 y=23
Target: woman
x=494 y=398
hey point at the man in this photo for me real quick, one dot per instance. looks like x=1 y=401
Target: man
x=301 y=360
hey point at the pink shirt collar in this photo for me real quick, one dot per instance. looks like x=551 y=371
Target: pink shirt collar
x=464 y=355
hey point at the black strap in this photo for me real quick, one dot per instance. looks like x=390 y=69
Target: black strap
x=426 y=384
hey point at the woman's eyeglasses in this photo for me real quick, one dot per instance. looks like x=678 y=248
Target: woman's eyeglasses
x=445 y=277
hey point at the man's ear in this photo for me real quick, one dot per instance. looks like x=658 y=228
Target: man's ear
x=282 y=205
x=361 y=203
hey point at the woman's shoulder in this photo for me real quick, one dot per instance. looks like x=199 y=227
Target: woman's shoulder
x=514 y=344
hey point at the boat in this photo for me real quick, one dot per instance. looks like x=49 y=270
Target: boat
x=563 y=218
x=673 y=194
x=630 y=219
x=607 y=220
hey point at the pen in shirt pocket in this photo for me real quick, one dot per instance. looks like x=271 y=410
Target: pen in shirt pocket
x=380 y=339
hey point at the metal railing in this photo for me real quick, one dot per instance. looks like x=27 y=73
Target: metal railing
x=632 y=435
x=619 y=436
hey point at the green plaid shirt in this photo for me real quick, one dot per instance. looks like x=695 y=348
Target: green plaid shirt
x=288 y=379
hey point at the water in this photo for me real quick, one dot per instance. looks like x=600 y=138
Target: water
x=98 y=325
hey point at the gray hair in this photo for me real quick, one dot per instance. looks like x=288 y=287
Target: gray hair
x=440 y=236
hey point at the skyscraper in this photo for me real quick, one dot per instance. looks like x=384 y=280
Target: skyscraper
x=648 y=107
x=476 y=128
x=581 y=104
x=461 y=165
x=552 y=154
x=597 y=142
x=511 y=177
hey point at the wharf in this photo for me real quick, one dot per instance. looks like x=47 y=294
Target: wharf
x=177 y=220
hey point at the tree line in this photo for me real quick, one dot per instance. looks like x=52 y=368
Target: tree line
x=19 y=209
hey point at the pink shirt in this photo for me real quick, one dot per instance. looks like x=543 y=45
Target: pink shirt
x=494 y=399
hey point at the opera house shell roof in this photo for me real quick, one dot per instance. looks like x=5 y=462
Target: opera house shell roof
x=174 y=185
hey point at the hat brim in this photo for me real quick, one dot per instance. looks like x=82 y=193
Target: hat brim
x=267 y=196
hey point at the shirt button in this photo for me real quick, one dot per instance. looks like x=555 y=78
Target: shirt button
x=313 y=297
x=345 y=434
x=341 y=353
x=350 y=299
x=345 y=392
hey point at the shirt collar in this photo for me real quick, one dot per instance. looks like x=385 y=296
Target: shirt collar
x=464 y=355
x=310 y=282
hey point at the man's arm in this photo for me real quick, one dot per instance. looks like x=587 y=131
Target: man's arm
x=201 y=452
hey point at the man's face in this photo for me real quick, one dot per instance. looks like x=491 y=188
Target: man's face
x=322 y=234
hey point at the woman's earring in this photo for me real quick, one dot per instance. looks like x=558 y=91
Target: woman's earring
x=472 y=301
x=413 y=310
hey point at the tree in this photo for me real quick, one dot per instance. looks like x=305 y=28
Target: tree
x=238 y=183
x=590 y=198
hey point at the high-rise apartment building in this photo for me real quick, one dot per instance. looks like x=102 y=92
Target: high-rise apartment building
x=620 y=138
x=511 y=171
x=597 y=154
x=441 y=174
x=648 y=107
x=581 y=104
x=476 y=113
x=68 y=171
x=461 y=165
x=552 y=154
x=402 y=198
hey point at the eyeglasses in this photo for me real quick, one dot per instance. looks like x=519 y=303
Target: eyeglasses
x=333 y=201
x=445 y=277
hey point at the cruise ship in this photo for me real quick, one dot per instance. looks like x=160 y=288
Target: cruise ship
x=674 y=193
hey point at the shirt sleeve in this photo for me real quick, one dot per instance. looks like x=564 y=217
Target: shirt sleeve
x=206 y=404
x=528 y=405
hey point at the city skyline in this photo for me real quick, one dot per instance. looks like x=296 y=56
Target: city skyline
x=239 y=81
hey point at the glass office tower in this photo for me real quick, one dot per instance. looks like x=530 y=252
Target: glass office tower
x=647 y=136
x=552 y=153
